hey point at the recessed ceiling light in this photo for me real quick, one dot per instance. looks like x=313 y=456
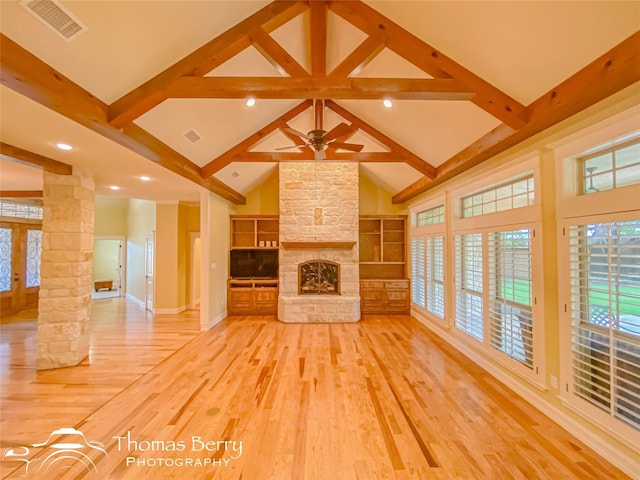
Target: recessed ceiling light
x=387 y=103
x=144 y=178
x=64 y=146
x=114 y=187
x=250 y=102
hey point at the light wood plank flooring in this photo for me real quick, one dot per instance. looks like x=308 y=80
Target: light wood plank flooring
x=380 y=399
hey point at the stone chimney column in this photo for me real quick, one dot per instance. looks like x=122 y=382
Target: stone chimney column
x=64 y=306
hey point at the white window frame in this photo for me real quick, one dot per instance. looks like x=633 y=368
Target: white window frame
x=602 y=419
x=430 y=231
x=513 y=219
x=572 y=208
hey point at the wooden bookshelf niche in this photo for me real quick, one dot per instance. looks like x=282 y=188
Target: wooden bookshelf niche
x=254 y=231
x=253 y=296
x=384 y=287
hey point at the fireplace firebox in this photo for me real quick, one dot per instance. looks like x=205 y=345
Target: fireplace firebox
x=319 y=277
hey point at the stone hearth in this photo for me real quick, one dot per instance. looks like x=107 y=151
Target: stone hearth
x=319 y=222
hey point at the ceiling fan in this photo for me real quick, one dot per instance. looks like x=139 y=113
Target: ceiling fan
x=318 y=138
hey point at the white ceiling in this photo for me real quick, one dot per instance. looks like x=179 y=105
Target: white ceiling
x=523 y=48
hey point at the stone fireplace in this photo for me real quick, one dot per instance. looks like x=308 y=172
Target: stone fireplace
x=319 y=277
x=319 y=274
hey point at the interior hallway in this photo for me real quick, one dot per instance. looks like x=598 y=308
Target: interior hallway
x=380 y=399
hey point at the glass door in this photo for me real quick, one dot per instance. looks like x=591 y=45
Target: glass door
x=20 y=250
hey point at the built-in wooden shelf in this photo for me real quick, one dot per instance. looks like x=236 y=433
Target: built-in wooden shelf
x=317 y=245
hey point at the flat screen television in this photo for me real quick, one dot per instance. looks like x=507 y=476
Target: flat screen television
x=250 y=263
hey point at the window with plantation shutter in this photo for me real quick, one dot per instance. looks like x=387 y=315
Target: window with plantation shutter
x=469 y=284
x=435 y=275
x=417 y=271
x=510 y=294
x=605 y=312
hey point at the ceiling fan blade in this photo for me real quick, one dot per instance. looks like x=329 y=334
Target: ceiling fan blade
x=297 y=133
x=338 y=131
x=353 y=147
x=320 y=155
x=292 y=146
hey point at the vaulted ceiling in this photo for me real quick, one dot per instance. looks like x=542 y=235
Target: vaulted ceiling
x=468 y=80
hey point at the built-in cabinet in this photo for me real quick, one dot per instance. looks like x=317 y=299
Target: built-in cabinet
x=254 y=231
x=253 y=296
x=384 y=287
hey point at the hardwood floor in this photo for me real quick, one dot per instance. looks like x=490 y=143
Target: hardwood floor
x=380 y=399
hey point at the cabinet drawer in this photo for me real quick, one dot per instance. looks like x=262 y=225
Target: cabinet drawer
x=397 y=306
x=371 y=284
x=399 y=284
x=264 y=295
x=397 y=295
x=372 y=295
x=372 y=307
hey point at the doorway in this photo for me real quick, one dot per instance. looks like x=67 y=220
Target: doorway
x=20 y=251
x=149 y=267
x=194 y=284
x=107 y=274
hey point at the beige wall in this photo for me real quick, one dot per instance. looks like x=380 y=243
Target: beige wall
x=192 y=271
x=167 y=249
x=111 y=216
x=215 y=258
x=263 y=199
x=141 y=219
x=375 y=200
x=106 y=255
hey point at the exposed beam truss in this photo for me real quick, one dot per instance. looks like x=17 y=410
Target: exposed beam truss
x=19 y=155
x=617 y=69
x=242 y=151
x=28 y=75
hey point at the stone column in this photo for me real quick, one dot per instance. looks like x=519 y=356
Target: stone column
x=64 y=307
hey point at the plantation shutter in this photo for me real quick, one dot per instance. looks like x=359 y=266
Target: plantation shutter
x=417 y=271
x=510 y=319
x=435 y=275
x=469 y=284
x=605 y=311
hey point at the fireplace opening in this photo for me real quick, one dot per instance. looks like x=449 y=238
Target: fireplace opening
x=319 y=277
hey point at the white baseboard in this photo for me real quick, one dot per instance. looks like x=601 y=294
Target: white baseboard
x=169 y=311
x=625 y=463
x=130 y=297
x=214 y=321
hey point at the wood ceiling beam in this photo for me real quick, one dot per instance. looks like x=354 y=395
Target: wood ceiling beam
x=26 y=74
x=20 y=193
x=320 y=87
x=397 y=149
x=432 y=61
x=318 y=38
x=617 y=69
x=237 y=152
x=31 y=159
x=275 y=54
x=160 y=153
x=201 y=61
x=361 y=56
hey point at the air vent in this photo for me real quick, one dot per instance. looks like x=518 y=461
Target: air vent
x=192 y=136
x=55 y=16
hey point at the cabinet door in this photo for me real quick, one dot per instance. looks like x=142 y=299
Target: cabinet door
x=372 y=297
x=397 y=296
x=240 y=300
x=266 y=300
